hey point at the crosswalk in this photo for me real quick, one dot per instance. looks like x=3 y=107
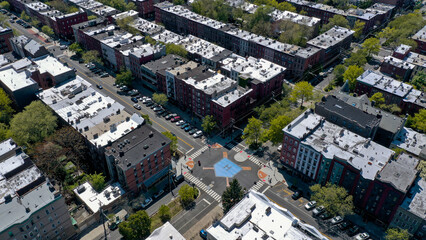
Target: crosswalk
x=255 y=160
x=203 y=187
x=258 y=185
x=198 y=152
x=234 y=147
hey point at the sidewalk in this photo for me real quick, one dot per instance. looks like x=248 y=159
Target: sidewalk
x=203 y=223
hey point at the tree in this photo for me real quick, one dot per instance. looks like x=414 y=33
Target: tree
x=46 y=156
x=334 y=198
x=378 y=98
x=422 y=168
x=6 y=109
x=76 y=47
x=303 y=91
x=33 y=124
x=358 y=58
x=419 y=121
x=253 y=132
x=24 y=16
x=124 y=77
x=47 y=30
x=336 y=20
x=146 y=117
x=351 y=74
x=338 y=72
x=358 y=28
x=275 y=131
x=91 y=17
x=187 y=195
x=372 y=46
x=5 y=5
x=419 y=81
x=97 y=181
x=294 y=33
x=138 y=226
x=232 y=195
x=160 y=98
x=208 y=124
x=173 y=138
x=164 y=212
x=172 y=48
x=35 y=22
x=150 y=40
x=397 y=234
x=92 y=56
x=124 y=23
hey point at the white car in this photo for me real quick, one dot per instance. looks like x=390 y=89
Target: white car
x=63 y=47
x=310 y=205
x=180 y=123
x=317 y=211
x=279 y=148
x=362 y=236
x=146 y=202
x=157 y=195
x=146 y=100
x=336 y=220
x=198 y=134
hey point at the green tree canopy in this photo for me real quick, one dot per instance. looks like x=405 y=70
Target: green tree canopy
x=422 y=168
x=294 y=33
x=358 y=58
x=338 y=72
x=5 y=5
x=419 y=81
x=302 y=91
x=92 y=56
x=275 y=132
x=47 y=30
x=160 y=98
x=120 y=5
x=33 y=124
x=124 y=23
x=351 y=74
x=138 y=226
x=253 y=132
x=76 y=47
x=232 y=195
x=173 y=138
x=172 y=48
x=378 y=98
x=397 y=234
x=62 y=6
x=216 y=9
x=91 y=17
x=46 y=156
x=259 y=21
x=336 y=20
x=6 y=109
x=358 y=28
x=187 y=195
x=419 y=121
x=334 y=198
x=164 y=212
x=124 y=77
x=282 y=6
x=97 y=181
x=24 y=16
x=208 y=124
x=371 y=45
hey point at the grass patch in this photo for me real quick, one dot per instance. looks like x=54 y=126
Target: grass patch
x=175 y=207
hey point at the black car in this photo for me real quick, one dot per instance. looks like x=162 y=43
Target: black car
x=160 y=112
x=345 y=225
x=149 y=104
x=353 y=230
x=194 y=130
x=27 y=26
x=184 y=125
x=135 y=100
x=153 y=106
x=325 y=216
x=99 y=86
x=165 y=113
x=297 y=195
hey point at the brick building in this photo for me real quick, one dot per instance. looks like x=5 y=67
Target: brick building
x=96 y=8
x=146 y=7
x=420 y=38
x=397 y=68
x=139 y=159
x=5 y=35
x=404 y=53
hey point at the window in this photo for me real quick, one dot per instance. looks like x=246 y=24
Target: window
x=47 y=211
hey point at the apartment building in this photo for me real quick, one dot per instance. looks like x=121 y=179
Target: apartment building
x=397 y=68
x=25 y=47
x=404 y=53
x=153 y=69
x=95 y=8
x=420 y=38
x=30 y=206
x=146 y=7
x=139 y=159
x=5 y=35
x=411 y=141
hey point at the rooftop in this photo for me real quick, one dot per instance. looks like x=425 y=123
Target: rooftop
x=385 y=83
x=94 y=200
x=402 y=49
x=334 y=141
x=131 y=148
x=416 y=59
x=256 y=217
x=15 y=76
x=99 y=118
x=168 y=61
x=33 y=47
x=51 y=65
x=3 y=30
x=231 y=96
x=205 y=49
x=168 y=37
x=400 y=173
x=166 y=231
x=278 y=15
x=144 y=50
x=214 y=85
x=398 y=63
x=245 y=6
x=416 y=201
x=411 y=141
x=146 y=27
x=332 y=37
x=252 y=68
x=95 y=7
x=420 y=35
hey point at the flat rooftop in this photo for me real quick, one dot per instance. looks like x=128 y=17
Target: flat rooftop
x=278 y=15
x=385 y=83
x=402 y=49
x=99 y=118
x=411 y=141
x=330 y=38
x=136 y=145
x=15 y=75
x=215 y=85
x=333 y=141
x=94 y=200
x=252 y=68
x=416 y=59
x=146 y=27
x=420 y=35
x=416 y=204
x=166 y=231
x=230 y=96
x=205 y=49
x=51 y=65
x=245 y=6
x=256 y=217
x=396 y=62
x=166 y=62
x=168 y=37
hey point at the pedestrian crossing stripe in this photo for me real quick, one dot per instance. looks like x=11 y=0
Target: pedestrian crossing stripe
x=203 y=187
x=198 y=153
x=258 y=185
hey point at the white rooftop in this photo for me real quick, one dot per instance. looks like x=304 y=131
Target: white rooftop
x=15 y=76
x=416 y=203
x=334 y=141
x=94 y=200
x=332 y=37
x=167 y=231
x=245 y=6
x=51 y=65
x=402 y=49
x=214 y=85
x=398 y=62
x=278 y=15
x=168 y=37
x=416 y=59
x=385 y=83
x=231 y=96
x=420 y=35
x=256 y=217
x=186 y=13
x=202 y=47
x=411 y=141
x=146 y=27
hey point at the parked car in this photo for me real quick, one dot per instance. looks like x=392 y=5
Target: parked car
x=137 y=106
x=170 y=116
x=104 y=75
x=310 y=205
x=336 y=220
x=297 y=195
x=345 y=225
x=160 y=112
x=146 y=100
x=11 y=20
x=158 y=108
x=146 y=202
x=178 y=179
x=157 y=195
x=165 y=113
x=154 y=105
x=135 y=100
x=324 y=216
x=203 y=234
x=188 y=128
x=149 y=104
x=353 y=230
x=175 y=119
x=99 y=86
x=317 y=211
x=362 y=236
x=198 y=134
x=181 y=122
x=192 y=131
x=183 y=126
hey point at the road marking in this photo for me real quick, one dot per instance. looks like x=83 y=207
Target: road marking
x=208 y=168
x=152 y=120
x=246 y=168
x=206 y=201
x=225 y=155
x=203 y=187
x=266 y=189
x=289 y=193
x=227 y=182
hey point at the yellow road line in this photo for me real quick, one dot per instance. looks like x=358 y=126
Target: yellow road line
x=289 y=193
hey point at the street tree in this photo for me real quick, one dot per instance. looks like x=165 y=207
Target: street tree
x=92 y=56
x=253 y=132
x=24 y=16
x=232 y=195
x=47 y=30
x=76 y=47
x=335 y=199
x=160 y=98
x=147 y=119
x=97 y=180
x=35 y=22
x=173 y=138
x=372 y=46
x=397 y=234
x=302 y=91
x=351 y=74
x=164 y=213
x=419 y=81
x=208 y=124
x=33 y=124
x=5 y=5
x=336 y=20
x=124 y=77
x=358 y=58
x=137 y=227
x=358 y=28
x=187 y=195
x=338 y=72
x=275 y=131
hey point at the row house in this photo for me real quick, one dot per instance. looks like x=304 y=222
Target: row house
x=397 y=68
x=95 y=8
x=5 y=35
x=322 y=152
x=311 y=23
x=146 y=7
x=420 y=38
x=410 y=100
x=404 y=53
